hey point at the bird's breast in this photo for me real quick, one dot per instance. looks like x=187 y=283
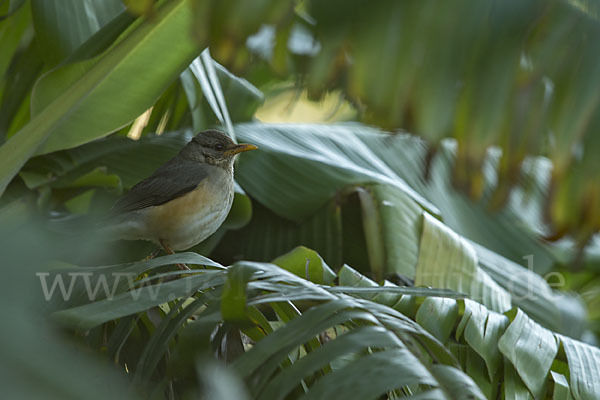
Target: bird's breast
x=191 y=218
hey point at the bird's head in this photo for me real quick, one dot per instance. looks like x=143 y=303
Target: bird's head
x=213 y=147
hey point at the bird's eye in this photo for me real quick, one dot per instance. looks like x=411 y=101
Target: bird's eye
x=219 y=146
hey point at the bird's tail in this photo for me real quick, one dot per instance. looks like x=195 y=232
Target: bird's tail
x=101 y=227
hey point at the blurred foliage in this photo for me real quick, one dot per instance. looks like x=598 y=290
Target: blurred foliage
x=515 y=74
x=360 y=263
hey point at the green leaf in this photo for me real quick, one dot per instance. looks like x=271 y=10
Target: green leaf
x=514 y=388
x=239 y=96
x=140 y=7
x=142 y=157
x=392 y=223
x=531 y=293
x=63 y=25
x=80 y=204
x=77 y=99
x=297 y=331
x=481 y=329
x=125 y=60
x=561 y=387
x=353 y=342
x=447 y=260
x=324 y=160
x=456 y=383
x=241 y=210
x=97 y=177
x=409 y=157
x=347 y=276
x=82 y=285
x=306 y=263
x=438 y=316
x=281 y=172
x=218 y=382
x=11 y=33
x=233 y=298
x=584 y=368
x=371 y=376
x=531 y=350
x=164 y=332
x=44 y=368
x=23 y=70
x=267 y=235
x=138 y=299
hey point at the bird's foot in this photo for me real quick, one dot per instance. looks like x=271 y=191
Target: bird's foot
x=169 y=250
x=183 y=267
x=152 y=255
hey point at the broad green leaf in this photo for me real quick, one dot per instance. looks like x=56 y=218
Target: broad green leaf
x=338 y=155
x=234 y=298
x=531 y=293
x=268 y=235
x=97 y=177
x=296 y=148
x=80 y=109
x=16 y=83
x=476 y=369
x=241 y=96
x=481 y=329
x=392 y=223
x=348 y=276
x=126 y=61
x=448 y=261
x=307 y=264
x=63 y=25
x=140 y=7
x=142 y=157
x=49 y=363
x=531 y=350
x=409 y=157
x=81 y=203
x=514 y=388
x=561 y=387
x=12 y=31
x=218 y=102
x=438 y=316
x=102 y=39
x=584 y=368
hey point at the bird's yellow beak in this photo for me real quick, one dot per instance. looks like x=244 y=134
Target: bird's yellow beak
x=240 y=148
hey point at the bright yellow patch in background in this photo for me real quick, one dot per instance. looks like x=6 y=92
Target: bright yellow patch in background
x=289 y=107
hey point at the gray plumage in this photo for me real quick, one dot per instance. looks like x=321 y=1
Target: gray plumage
x=173 y=179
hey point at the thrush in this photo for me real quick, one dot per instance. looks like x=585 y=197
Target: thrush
x=185 y=200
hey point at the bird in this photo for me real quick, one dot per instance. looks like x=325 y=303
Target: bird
x=185 y=200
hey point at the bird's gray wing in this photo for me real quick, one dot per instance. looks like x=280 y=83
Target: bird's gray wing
x=174 y=179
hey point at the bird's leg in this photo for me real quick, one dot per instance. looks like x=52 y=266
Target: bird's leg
x=152 y=255
x=169 y=250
